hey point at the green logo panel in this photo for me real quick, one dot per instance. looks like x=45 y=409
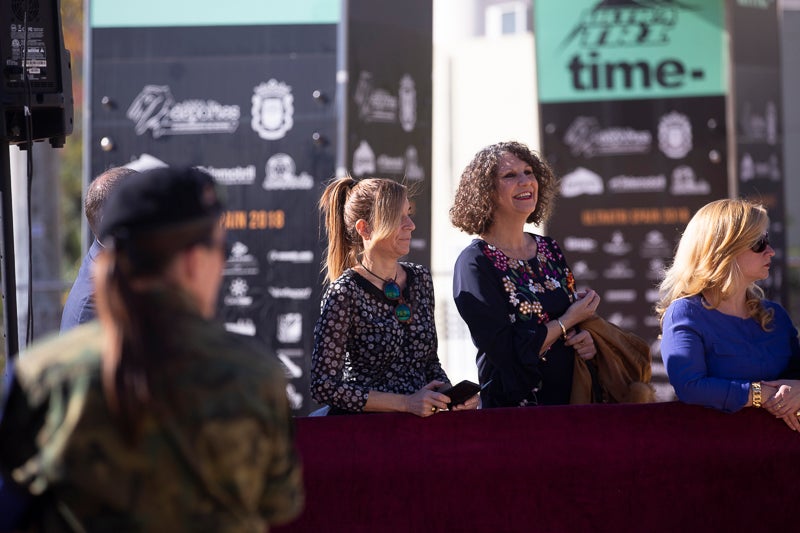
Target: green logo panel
x=629 y=49
x=160 y=13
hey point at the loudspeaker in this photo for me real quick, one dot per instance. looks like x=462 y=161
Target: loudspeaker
x=36 y=89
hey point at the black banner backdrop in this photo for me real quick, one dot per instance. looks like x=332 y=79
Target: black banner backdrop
x=634 y=123
x=238 y=101
x=755 y=52
x=256 y=107
x=389 y=111
x=626 y=194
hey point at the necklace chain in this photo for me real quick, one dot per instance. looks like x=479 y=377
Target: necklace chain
x=510 y=256
x=377 y=276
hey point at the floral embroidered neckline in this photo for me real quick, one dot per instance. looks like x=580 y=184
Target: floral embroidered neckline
x=523 y=285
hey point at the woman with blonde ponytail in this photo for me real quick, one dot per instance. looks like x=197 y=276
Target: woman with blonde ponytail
x=724 y=345
x=375 y=341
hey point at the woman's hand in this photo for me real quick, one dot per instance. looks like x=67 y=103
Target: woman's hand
x=583 y=343
x=786 y=400
x=471 y=403
x=792 y=420
x=582 y=308
x=426 y=401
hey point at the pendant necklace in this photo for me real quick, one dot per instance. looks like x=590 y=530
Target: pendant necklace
x=402 y=312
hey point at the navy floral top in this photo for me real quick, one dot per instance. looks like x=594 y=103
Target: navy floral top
x=360 y=346
x=506 y=303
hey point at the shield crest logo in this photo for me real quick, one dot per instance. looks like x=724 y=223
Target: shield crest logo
x=273 y=110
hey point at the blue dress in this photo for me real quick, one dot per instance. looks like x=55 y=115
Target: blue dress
x=711 y=357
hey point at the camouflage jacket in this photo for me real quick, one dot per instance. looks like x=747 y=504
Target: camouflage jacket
x=217 y=455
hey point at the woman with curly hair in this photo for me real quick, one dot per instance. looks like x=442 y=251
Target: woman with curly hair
x=514 y=289
x=723 y=344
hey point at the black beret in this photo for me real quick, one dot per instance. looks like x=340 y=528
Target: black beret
x=158 y=199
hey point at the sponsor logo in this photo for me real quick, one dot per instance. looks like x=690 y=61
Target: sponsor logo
x=287 y=357
x=407 y=98
x=759 y=127
x=750 y=169
x=586 y=138
x=581 y=271
x=406 y=165
x=294 y=397
x=281 y=175
x=290 y=293
x=290 y=256
x=652 y=322
x=619 y=270
x=363 y=160
x=272 y=112
x=145 y=162
x=414 y=170
x=656 y=269
x=374 y=105
x=655 y=245
x=684 y=182
x=675 y=135
x=418 y=244
x=243 y=326
x=623 y=183
x=391 y=165
x=237 y=294
x=580 y=244
x=756 y=4
x=617 y=245
x=651 y=295
x=240 y=262
x=155 y=109
x=232 y=176
x=581 y=181
x=623 y=321
x=621 y=24
x=620 y=295
x=290 y=328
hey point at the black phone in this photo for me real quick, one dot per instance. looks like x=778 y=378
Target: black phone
x=461 y=392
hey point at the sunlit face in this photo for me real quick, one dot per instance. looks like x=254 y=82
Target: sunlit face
x=398 y=243
x=516 y=188
x=754 y=266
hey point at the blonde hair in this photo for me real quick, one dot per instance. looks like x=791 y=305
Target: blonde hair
x=706 y=257
x=344 y=202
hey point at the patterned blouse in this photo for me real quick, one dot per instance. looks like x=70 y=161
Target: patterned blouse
x=360 y=346
x=506 y=303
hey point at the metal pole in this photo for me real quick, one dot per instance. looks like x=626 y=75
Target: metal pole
x=341 y=88
x=7 y=251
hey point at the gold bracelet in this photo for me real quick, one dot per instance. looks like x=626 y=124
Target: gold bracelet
x=756 y=385
x=563 y=329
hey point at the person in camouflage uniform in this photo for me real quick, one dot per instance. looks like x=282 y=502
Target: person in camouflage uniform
x=154 y=418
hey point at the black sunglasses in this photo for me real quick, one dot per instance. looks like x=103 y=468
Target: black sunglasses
x=761 y=244
x=402 y=311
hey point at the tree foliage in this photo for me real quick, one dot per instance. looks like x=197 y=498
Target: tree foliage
x=71 y=155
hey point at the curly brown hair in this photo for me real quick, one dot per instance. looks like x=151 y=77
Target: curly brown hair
x=474 y=205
